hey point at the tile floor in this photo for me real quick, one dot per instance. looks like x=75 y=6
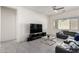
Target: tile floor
x=35 y=46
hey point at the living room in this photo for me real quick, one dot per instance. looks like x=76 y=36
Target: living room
x=38 y=29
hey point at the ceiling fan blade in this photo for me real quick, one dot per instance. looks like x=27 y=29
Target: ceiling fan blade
x=60 y=8
x=55 y=8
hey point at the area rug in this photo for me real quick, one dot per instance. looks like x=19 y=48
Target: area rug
x=48 y=42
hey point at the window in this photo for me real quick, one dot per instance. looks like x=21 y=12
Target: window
x=67 y=24
x=74 y=24
x=63 y=24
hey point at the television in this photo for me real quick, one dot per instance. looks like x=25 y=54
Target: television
x=35 y=28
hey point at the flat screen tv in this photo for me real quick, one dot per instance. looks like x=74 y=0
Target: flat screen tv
x=35 y=28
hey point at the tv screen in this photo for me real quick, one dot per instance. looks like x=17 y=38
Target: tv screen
x=34 y=28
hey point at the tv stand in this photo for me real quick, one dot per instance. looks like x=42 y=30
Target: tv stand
x=34 y=36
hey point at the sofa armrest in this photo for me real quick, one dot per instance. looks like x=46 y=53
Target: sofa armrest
x=61 y=36
x=60 y=49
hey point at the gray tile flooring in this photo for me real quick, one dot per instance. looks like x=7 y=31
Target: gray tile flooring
x=35 y=46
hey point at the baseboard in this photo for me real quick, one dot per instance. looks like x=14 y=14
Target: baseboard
x=7 y=41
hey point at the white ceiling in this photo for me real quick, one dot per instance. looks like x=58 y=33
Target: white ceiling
x=47 y=10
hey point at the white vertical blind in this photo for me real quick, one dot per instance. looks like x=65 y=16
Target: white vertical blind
x=71 y=24
x=74 y=24
x=63 y=24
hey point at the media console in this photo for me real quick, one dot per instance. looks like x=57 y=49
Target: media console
x=34 y=36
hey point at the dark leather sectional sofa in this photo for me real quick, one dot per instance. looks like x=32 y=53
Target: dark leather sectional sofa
x=70 y=33
x=64 y=35
x=61 y=35
x=60 y=49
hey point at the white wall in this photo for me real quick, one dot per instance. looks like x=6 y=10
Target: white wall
x=8 y=24
x=24 y=18
x=51 y=25
x=0 y=23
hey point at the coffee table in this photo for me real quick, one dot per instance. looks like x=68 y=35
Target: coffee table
x=49 y=40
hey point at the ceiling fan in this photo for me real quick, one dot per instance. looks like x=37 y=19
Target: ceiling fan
x=57 y=8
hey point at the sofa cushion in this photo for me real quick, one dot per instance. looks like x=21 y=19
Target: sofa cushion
x=76 y=37
x=61 y=35
x=69 y=33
